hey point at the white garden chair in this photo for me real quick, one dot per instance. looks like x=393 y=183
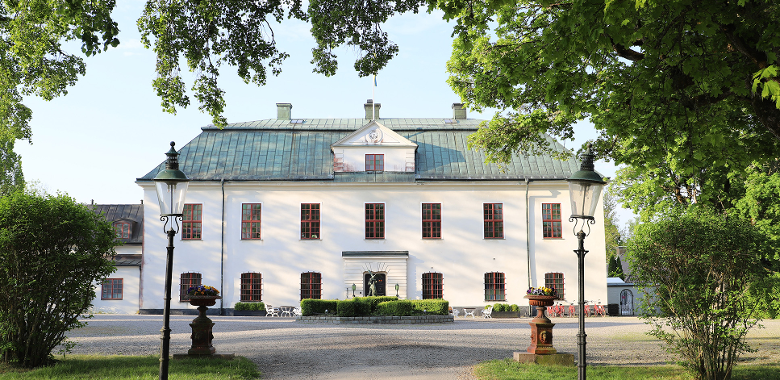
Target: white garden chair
x=271 y=311
x=488 y=313
x=297 y=312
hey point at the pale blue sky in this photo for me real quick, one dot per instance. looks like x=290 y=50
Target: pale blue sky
x=110 y=129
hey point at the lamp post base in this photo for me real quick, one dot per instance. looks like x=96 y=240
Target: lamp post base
x=550 y=359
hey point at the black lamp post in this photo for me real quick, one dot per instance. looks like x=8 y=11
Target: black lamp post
x=396 y=289
x=584 y=191
x=171 y=184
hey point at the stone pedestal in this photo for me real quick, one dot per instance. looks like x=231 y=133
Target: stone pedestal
x=201 y=327
x=550 y=359
x=541 y=326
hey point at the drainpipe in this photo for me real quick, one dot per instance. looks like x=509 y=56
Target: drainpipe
x=527 y=231
x=222 y=255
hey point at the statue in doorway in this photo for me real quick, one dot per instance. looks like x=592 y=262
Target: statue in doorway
x=372 y=284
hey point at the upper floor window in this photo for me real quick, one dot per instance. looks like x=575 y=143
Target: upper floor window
x=310 y=221
x=112 y=289
x=375 y=220
x=122 y=230
x=375 y=162
x=431 y=220
x=251 y=287
x=432 y=286
x=186 y=281
x=250 y=220
x=554 y=281
x=494 y=220
x=551 y=220
x=311 y=285
x=191 y=224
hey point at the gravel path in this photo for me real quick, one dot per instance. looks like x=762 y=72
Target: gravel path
x=284 y=349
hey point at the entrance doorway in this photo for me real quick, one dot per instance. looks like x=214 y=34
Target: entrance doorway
x=380 y=283
x=626 y=302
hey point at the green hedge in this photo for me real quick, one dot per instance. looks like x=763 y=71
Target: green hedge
x=249 y=306
x=403 y=307
x=437 y=306
x=313 y=307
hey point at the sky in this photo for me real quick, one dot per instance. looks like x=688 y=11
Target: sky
x=110 y=128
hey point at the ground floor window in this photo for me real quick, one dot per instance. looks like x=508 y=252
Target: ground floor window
x=251 y=287
x=311 y=285
x=554 y=281
x=432 y=285
x=186 y=281
x=112 y=289
x=494 y=287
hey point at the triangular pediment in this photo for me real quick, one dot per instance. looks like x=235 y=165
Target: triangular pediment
x=374 y=134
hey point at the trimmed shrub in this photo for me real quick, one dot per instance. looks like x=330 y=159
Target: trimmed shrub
x=311 y=306
x=437 y=306
x=249 y=306
x=402 y=307
x=514 y=308
x=500 y=307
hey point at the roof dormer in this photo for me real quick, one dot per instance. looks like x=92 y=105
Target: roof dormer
x=373 y=147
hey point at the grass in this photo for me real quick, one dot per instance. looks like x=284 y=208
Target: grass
x=136 y=368
x=509 y=369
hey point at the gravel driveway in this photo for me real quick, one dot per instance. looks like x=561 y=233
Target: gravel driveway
x=284 y=349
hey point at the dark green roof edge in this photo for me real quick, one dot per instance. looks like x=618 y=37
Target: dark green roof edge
x=373 y=253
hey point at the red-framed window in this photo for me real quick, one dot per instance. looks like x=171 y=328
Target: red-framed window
x=251 y=287
x=551 y=220
x=375 y=162
x=555 y=281
x=495 y=289
x=191 y=223
x=431 y=220
x=250 y=220
x=494 y=220
x=187 y=280
x=122 y=230
x=432 y=286
x=310 y=221
x=311 y=285
x=375 y=220
x=112 y=289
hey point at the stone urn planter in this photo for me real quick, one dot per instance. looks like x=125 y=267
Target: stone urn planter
x=202 y=326
x=541 y=326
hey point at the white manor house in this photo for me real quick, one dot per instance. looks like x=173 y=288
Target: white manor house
x=289 y=208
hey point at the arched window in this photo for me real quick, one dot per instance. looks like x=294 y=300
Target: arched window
x=311 y=285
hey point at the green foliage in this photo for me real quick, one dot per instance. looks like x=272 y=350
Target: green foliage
x=514 y=308
x=615 y=268
x=249 y=306
x=207 y=35
x=311 y=306
x=400 y=307
x=52 y=251
x=35 y=61
x=699 y=265
x=436 y=306
x=612 y=236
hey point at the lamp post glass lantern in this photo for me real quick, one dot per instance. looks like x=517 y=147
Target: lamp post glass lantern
x=585 y=187
x=171 y=185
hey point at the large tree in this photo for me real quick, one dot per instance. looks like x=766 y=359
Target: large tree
x=52 y=251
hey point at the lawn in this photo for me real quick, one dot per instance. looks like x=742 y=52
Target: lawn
x=136 y=368
x=509 y=369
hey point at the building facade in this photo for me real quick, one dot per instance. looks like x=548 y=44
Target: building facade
x=284 y=209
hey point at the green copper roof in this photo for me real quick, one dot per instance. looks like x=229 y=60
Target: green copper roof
x=299 y=149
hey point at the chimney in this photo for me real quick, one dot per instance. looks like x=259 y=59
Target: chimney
x=458 y=111
x=283 y=111
x=369 y=106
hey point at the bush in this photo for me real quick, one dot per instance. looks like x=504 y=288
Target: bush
x=52 y=252
x=514 y=308
x=311 y=306
x=402 y=307
x=249 y=306
x=699 y=265
x=437 y=306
